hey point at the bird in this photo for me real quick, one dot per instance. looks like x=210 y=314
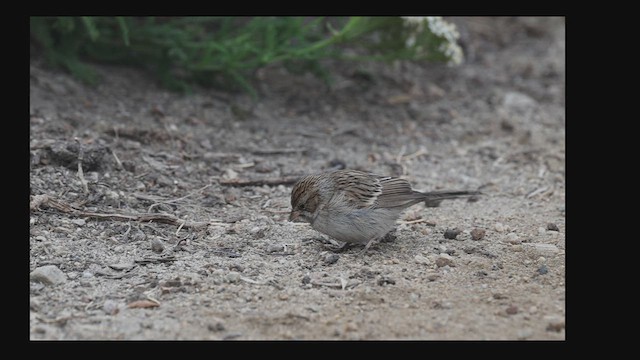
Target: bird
x=358 y=207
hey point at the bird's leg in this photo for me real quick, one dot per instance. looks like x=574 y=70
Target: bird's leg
x=342 y=247
x=366 y=247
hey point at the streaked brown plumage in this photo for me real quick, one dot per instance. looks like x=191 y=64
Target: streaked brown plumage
x=355 y=206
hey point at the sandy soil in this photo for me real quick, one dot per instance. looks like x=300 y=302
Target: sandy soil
x=180 y=231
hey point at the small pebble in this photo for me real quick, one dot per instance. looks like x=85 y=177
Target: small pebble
x=272 y=248
x=421 y=259
x=386 y=281
x=451 y=233
x=157 y=246
x=523 y=334
x=499 y=227
x=232 y=277
x=544 y=248
x=306 y=279
x=444 y=260
x=110 y=307
x=48 y=275
x=512 y=310
x=330 y=258
x=512 y=238
x=552 y=227
x=477 y=234
x=79 y=222
x=555 y=323
x=433 y=277
x=543 y=269
x=216 y=325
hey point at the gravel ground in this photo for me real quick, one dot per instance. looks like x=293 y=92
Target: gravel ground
x=177 y=228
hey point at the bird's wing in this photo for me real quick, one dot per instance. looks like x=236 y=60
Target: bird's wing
x=363 y=190
x=396 y=192
x=359 y=188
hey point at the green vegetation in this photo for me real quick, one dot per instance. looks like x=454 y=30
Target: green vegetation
x=226 y=51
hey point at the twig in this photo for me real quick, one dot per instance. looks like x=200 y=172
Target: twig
x=421 y=151
x=287 y=180
x=161 y=218
x=427 y=222
x=537 y=192
x=80 y=160
x=144 y=197
x=278 y=151
x=120 y=166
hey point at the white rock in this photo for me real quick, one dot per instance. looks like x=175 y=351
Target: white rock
x=79 y=222
x=48 y=274
x=512 y=238
x=500 y=227
x=232 y=277
x=421 y=260
x=230 y=174
x=544 y=248
x=524 y=333
x=518 y=101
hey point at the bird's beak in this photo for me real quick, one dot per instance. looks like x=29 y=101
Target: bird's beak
x=294 y=215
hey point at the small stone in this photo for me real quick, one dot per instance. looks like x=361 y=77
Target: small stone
x=386 y=281
x=518 y=101
x=544 y=248
x=543 y=269
x=477 y=234
x=421 y=260
x=257 y=232
x=552 y=227
x=236 y=267
x=523 y=334
x=350 y=327
x=444 y=260
x=499 y=296
x=500 y=227
x=157 y=246
x=306 y=279
x=41 y=238
x=283 y=296
x=512 y=310
x=230 y=174
x=232 y=277
x=433 y=277
x=512 y=238
x=79 y=222
x=541 y=230
x=216 y=325
x=555 y=323
x=48 y=275
x=274 y=248
x=451 y=233
x=110 y=307
x=330 y=258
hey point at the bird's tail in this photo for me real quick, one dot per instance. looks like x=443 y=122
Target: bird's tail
x=433 y=198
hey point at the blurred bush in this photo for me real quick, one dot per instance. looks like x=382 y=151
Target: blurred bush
x=226 y=51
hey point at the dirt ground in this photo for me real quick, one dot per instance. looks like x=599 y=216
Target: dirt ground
x=177 y=228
